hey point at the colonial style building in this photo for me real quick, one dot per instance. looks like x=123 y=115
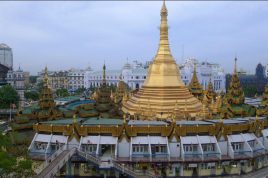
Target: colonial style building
x=132 y=74
x=76 y=78
x=206 y=72
x=71 y=80
x=18 y=79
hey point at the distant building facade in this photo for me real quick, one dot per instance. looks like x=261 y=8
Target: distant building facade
x=18 y=79
x=76 y=78
x=205 y=72
x=3 y=74
x=71 y=80
x=134 y=75
x=6 y=56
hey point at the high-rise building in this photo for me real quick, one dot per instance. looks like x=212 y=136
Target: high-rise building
x=6 y=56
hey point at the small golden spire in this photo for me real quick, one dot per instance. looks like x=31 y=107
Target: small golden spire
x=104 y=75
x=46 y=77
x=235 y=71
x=163 y=48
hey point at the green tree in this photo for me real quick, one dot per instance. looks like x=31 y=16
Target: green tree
x=80 y=91
x=24 y=168
x=33 y=79
x=8 y=95
x=32 y=95
x=62 y=92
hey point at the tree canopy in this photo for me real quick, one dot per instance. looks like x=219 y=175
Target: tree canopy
x=8 y=95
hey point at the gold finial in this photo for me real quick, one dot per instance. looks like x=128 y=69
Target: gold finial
x=164 y=9
x=46 y=77
x=104 y=74
x=163 y=48
x=235 y=71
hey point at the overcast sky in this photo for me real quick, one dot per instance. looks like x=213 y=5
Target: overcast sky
x=62 y=35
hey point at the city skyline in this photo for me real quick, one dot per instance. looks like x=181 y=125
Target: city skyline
x=79 y=34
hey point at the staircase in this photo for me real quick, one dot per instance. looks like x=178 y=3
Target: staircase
x=56 y=162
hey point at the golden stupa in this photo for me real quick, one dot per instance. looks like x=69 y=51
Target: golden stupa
x=163 y=89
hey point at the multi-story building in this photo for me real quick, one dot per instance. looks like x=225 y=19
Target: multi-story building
x=3 y=74
x=135 y=74
x=17 y=79
x=6 y=56
x=132 y=74
x=206 y=72
x=56 y=79
x=76 y=78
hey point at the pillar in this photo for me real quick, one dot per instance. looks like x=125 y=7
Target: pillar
x=68 y=169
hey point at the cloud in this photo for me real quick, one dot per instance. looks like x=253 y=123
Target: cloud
x=75 y=34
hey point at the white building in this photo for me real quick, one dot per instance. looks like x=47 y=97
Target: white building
x=17 y=80
x=76 y=78
x=135 y=74
x=205 y=72
x=6 y=56
x=132 y=74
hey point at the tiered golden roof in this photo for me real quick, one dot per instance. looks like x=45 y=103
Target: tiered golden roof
x=233 y=104
x=210 y=92
x=163 y=87
x=264 y=109
x=46 y=100
x=195 y=87
x=103 y=95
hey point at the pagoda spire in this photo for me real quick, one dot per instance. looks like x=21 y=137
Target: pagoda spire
x=104 y=74
x=46 y=77
x=195 y=87
x=163 y=48
x=235 y=71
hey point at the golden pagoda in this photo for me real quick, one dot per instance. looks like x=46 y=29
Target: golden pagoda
x=233 y=105
x=264 y=109
x=103 y=95
x=210 y=92
x=46 y=100
x=195 y=87
x=47 y=107
x=163 y=86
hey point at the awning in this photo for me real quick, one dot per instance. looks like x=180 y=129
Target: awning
x=108 y=140
x=249 y=136
x=42 y=138
x=140 y=140
x=104 y=140
x=189 y=140
x=158 y=140
x=207 y=139
x=59 y=139
x=235 y=138
x=90 y=140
